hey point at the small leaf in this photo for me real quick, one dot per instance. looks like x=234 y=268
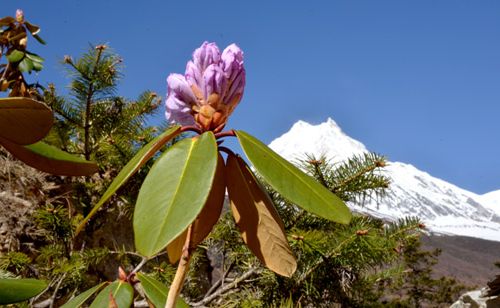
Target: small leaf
x=259 y=223
x=15 y=56
x=26 y=65
x=157 y=292
x=34 y=57
x=131 y=168
x=5 y=21
x=37 y=66
x=79 y=300
x=291 y=183
x=50 y=159
x=17 y=290
x=39 y=39
x=174 y=192
x=24 y=120
x=208 y=217
x=119 y=292
x=33 y=29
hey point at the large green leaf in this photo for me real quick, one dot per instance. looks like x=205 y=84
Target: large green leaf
x=24 y=120
x=78 y=301
x=291 y=183
x=50 y=159
x=157 y=292
x=131 y=167
x=174 y=192
x=118 y=294
x=18 y=290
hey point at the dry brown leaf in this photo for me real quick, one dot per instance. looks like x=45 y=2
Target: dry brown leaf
x=257 y=219
x=24 y=120
x=207 y=218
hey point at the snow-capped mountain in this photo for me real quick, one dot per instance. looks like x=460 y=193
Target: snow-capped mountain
x=444 y=207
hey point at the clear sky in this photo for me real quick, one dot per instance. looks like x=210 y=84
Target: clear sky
x=418 y=81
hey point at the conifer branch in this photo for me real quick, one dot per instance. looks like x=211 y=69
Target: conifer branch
x=90 y=94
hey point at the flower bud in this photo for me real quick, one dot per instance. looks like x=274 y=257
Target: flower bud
x=209 y=91
x=19 y=16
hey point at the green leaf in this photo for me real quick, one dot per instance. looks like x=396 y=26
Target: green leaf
x=39 y=39
x=122 y=293
x=132 y=166
x=34 y=57
x=291 y=183
x=24 y=120
x=50 y=159
x=17 y=290
x=37 y=66
x=174 y=192
x=157 y=292
x=26 y=65
x=83 y=297
x=15 y=56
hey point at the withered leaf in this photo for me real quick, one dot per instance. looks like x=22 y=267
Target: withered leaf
x=24 y=120
x=259 y=223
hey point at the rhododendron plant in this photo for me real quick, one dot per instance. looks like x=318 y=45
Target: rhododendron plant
x=182 y=196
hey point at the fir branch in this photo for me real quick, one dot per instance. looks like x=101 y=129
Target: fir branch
x=88 y=104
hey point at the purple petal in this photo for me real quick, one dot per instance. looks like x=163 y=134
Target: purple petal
x=232 y=60
x=177 y=111
x=177 y=84
x=193 y=75
x=237 y=87
x=214 y=80
x=205 y=55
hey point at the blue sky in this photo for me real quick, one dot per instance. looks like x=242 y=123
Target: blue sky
x=418 y=81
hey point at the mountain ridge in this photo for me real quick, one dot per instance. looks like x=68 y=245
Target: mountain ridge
x=444 y=207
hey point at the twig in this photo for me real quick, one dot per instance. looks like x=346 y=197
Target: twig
x=229 y=133
x=180 y=275
x=226 y=288
x=220 y=281
x=138 y=267
x=53 y=297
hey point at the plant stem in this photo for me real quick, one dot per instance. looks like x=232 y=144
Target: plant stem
x=180 y=275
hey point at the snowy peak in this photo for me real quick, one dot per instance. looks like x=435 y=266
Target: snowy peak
x=444 y=207
x=326 y=138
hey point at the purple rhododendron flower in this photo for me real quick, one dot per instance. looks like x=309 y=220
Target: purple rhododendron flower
x=209 y=91
x=19 y=15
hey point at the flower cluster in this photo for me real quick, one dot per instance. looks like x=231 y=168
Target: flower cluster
x=209 y=91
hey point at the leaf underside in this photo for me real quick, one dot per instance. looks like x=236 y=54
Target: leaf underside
x=208 y=217
x=293 y=184
x=259 y=223
x=24 y=120
x=174 y=192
